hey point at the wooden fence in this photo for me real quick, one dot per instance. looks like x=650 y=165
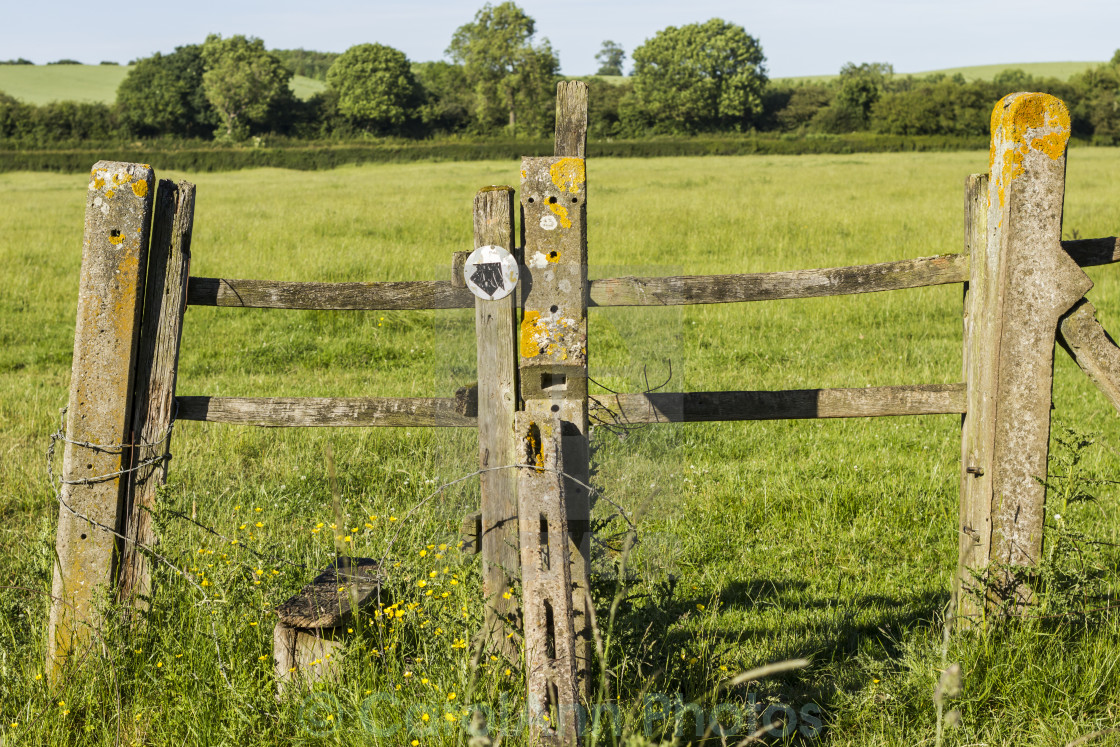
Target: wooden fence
x=1023 y=289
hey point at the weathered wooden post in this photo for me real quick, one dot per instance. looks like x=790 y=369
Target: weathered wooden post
x=154 y=406
x=114 y=252
x=552 y=690
x=496 y=335
x=553 y=335
x=1021 y=283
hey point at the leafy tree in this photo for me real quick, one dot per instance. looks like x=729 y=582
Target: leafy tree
x=376 y=88
x=1116 y=58
x=446 y=98
x=162 y=94
x=509 y=75
x=703 y=76
x=242 y=81
x=610 y=58
x=306 y=62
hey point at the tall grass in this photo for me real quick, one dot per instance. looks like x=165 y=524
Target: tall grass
x=757 y=542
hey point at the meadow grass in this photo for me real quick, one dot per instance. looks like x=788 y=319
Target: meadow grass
x=1059 y=70
x=756 y=542
x=42 y=84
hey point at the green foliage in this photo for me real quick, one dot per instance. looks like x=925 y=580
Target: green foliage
x=66 y=61
x=446 y=100
x=511 y=78
x=695 y=78
x=243 y=81
x=375 y=86
x=163 y=95
x=20 y=61
x=54 y=124
x=610 y=58
x=109 y=62
x=305 y=62
x=858 y=89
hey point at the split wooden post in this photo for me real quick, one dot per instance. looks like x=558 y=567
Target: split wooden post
x=552 y=691
x=114 y=254
x=496 y=335
x=553 y=336
x=1020 y=285
x=154 y=408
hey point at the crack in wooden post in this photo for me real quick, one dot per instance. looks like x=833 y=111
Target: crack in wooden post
x=546 y=581
x=114 y=256
x=1022 y=281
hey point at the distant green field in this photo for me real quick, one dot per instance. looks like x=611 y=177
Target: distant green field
x=1060 y=70
x=40 y=84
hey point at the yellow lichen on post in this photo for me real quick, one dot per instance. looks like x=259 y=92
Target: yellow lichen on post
x=1023 y=123
x=568 y=174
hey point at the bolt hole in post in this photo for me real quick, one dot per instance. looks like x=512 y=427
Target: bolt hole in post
x=530 y=200
x=83 y=536
x=554 y=309
x=115 y=233
x=546 y=561
x=556 y=408
x=552 y=200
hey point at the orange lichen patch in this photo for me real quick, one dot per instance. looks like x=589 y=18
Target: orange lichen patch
x=116 y=239
x=1021 y=123
x=110 y=193
x=98 y=182
x=568 y=174
x=140 y=188
x=531 y=332
x=561 y=213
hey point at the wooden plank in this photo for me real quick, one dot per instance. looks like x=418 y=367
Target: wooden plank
x=332 y=597
x=1093 y=348
x=625 y=291
x=975 y=528
x=292 y=412
x=571 y=119
x=110 y=293
x=547 y=560
x=553 y=345
x=773 y=286
x=278 y=294
x=496 y=397
x=1035 y=283
x=165 y=297
x=1092 y=252
x=795 y=404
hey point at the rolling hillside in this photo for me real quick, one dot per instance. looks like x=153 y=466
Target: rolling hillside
x=40 y=84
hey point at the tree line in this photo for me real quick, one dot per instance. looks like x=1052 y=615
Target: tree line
x=500 y=79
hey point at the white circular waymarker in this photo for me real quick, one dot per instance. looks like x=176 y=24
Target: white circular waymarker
x=490 y=272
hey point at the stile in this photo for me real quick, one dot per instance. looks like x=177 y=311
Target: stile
x=496 y=340
x=157 y=362
x=114 y=255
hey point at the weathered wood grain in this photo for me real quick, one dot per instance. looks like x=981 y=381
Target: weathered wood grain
x=773 y=286
x=1037 y=282
x=975 y=508
x=278 y=294
x=164 y=305
x=110 y=294
x=496 y=397
x=547 y=559
x=706 y=407
x=1093 y=348
x=292 y=412
x=571 y=119
x=334 y=594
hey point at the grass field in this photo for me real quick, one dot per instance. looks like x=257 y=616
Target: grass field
x=41 y=84
x=757 y=542
x=1060 y=70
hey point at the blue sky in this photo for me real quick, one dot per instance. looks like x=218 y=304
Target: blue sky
x=799 y=37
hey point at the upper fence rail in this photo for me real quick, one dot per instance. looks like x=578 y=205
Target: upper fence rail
x=624 y=291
